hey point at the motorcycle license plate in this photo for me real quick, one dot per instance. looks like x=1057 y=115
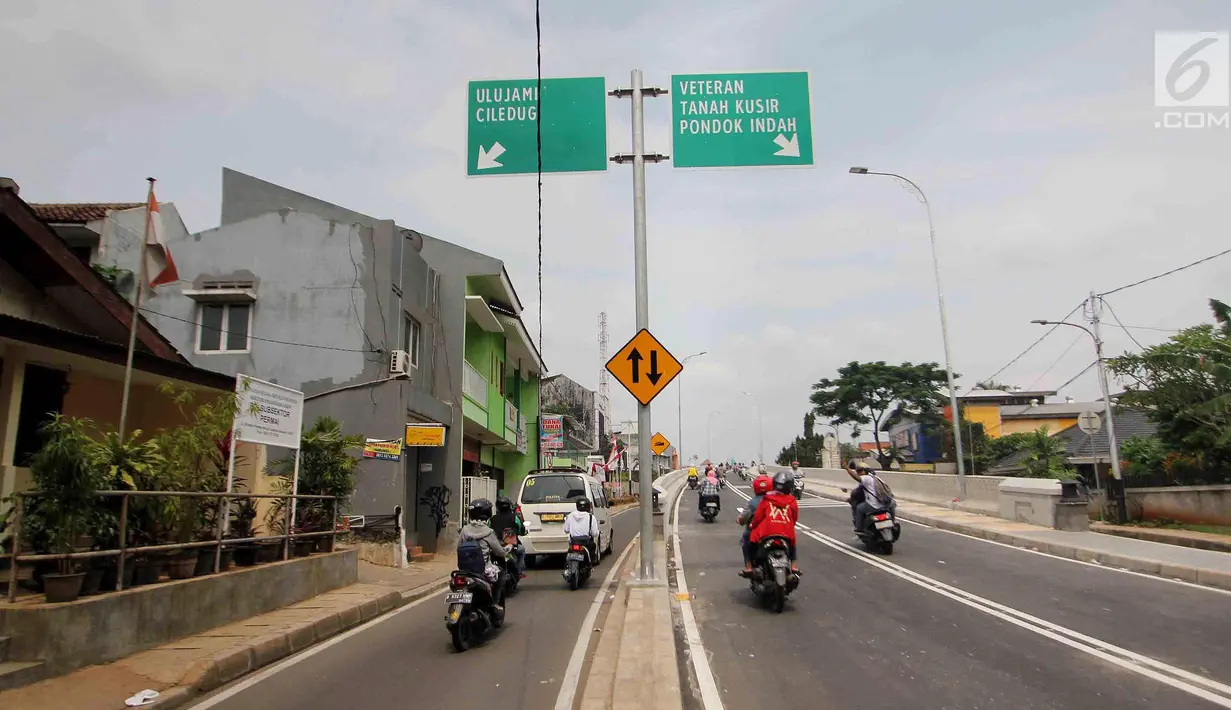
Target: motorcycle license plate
x=459 y=598
x=884 y=524
x=711 y=505
x=575 y=556
x=777 y=562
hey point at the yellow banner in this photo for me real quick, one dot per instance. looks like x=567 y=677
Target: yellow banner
x=425 y=435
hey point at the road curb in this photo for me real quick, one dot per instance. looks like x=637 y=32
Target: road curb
x=234 y=663
x=1185 y=573
x=1195 y=543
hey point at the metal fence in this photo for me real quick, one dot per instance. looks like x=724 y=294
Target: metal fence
x=477 y=487
x=16 y=558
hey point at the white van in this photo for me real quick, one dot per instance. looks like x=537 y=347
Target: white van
x=547 y=496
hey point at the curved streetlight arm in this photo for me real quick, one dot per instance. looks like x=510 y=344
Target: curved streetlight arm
x=1071 y=325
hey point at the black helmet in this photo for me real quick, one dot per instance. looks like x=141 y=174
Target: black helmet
x=480 y=509
x=504 y=504
x=783 y=482
x=583 y=505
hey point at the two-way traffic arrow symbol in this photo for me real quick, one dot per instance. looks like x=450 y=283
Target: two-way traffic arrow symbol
x=487 y=158
x=653 y=375
x=788 y=147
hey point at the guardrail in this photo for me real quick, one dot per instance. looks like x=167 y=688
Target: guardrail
x=16 y=558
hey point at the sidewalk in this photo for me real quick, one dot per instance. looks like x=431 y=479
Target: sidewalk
x=1183 y=538
x=635 y=665
x=1206 y=567
x=184 y=668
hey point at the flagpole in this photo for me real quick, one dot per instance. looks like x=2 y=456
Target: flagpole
x=132 y=330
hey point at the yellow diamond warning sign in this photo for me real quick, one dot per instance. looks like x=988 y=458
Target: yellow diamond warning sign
x=659 y=444
x=644 y=366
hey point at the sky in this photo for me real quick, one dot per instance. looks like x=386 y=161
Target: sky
x=1029 y=124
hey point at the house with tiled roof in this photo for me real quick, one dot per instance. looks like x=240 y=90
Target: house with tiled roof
x=1086 y=451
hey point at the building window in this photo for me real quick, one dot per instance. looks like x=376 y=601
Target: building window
x=224 y=327
x=412 y=334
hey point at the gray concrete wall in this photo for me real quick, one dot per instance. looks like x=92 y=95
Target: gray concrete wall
x=105 y=628
x=1199 y=505
x=982 y=492
x=326 y=277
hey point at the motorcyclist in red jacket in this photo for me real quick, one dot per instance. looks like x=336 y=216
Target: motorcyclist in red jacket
x=777 y=515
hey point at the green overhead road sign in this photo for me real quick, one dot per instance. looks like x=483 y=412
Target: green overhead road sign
x=739 y=120
x=503 y=126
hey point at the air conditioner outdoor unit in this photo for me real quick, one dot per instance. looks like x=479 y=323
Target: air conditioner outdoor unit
x=399 y=363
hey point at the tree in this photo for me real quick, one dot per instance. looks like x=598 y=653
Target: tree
x=871 y=393
x=1045 y=457
x=1185 y=386
x=808 y=449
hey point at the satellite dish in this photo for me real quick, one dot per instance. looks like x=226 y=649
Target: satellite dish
x=416 y=239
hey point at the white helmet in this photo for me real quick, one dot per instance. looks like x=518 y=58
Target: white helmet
x=762 y=469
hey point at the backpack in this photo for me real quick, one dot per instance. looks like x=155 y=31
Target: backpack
x=471 y=558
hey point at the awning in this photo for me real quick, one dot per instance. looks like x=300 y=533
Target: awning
x=518 y=345
x=477 y=308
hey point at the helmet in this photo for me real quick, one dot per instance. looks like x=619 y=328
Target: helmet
x=763 y=470
x=794 y=464
x=504 y=504
x=761 y=485
x=583 y=505
x=480 y=509
x=783 y=482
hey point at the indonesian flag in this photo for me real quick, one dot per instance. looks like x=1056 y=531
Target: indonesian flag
x=615 y=452
x=159 y=266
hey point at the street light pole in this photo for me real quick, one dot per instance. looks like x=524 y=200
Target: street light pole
x=760 y=425
x=837 y=442
x=679 y=410
x=1113 y=446
x=944 y=326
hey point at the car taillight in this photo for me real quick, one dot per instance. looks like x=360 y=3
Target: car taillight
x=881 y=516
x=517 y=510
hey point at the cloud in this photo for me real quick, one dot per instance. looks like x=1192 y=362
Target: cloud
x=1030 y=127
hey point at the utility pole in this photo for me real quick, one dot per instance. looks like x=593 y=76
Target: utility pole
x=637 y=93
x=1112 y=444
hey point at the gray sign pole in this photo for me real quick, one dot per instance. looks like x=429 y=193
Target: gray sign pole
x=645 y=461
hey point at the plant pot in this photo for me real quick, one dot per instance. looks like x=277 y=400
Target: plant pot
x=269 y=552
x=324 y=543
x=303 y=548
x=93 y=580
x=182 y=565
x=62 y=588
x=205 y=561
x=110 y=574
x=147 y=571
x=245 y=556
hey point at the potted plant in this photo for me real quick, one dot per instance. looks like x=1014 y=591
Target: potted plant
x=65 y=474
x=327 y=467
x=243 y=517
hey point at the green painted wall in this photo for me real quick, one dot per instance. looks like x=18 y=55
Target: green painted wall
x=495 y=401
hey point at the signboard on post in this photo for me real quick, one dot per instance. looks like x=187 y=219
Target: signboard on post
x=268 y=414
x=659 y=444
x=551 y=432
x=741 y=120
x=503 y=126
x=644 y=367
x=1089 y=422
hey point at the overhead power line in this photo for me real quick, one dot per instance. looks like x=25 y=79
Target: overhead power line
x=1167 y=273
x=263 y=340
x=1034 y=344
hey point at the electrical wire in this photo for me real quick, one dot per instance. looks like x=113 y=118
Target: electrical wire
x=1116 y=318
x=1166 y=273
x=1073 y=379
x=1034 y=344
x=1057 y=362
x=263 y=340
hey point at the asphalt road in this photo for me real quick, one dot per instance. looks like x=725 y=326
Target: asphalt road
x=406 y=660
x=949 y=622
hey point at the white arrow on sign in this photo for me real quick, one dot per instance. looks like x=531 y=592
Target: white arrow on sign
x=789 y=147
x=487 y=158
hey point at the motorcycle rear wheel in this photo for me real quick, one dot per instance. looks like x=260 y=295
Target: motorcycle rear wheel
x=779 y=600
x=461 y=635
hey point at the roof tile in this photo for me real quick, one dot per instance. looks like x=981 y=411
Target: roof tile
x=78 y=212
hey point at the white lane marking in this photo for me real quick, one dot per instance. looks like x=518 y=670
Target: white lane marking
x=305 y=655
x=572 y=674
x=1121 y=570
x=711 y=699
x=1177 y=678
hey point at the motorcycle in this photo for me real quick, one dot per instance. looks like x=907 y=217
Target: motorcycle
x=472 y=611
x=880 y=530
x=709 y=510
x=798 y=491
x=577 y=565
x=772 y=579
x=692 y=483
x=511 y=571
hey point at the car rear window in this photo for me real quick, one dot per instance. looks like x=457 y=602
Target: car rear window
x=553 y=489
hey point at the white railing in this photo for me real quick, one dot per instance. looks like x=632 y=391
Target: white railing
x=474 y=384
x=510 y=416
x=474 y=487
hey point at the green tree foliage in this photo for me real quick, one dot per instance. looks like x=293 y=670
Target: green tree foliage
x=870 y=393
x=1144 y=455
x=1045 y=457
x=326 y=468
x=808 y=449
x=1185 y=386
